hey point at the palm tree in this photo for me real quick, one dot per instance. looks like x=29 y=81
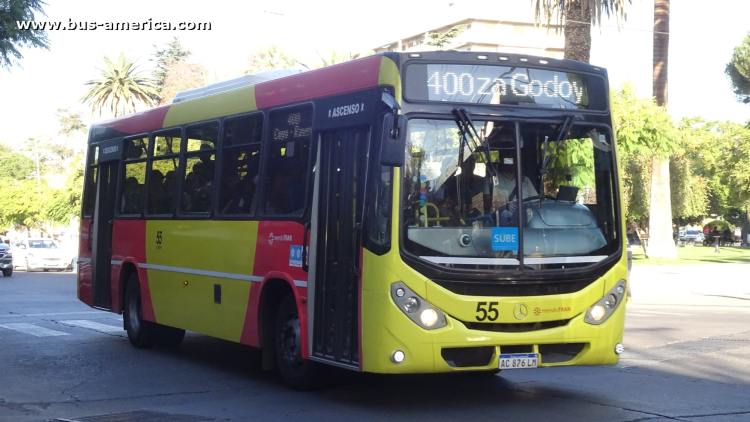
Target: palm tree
x=577 y=17
x=661 y=243
x=121 y=89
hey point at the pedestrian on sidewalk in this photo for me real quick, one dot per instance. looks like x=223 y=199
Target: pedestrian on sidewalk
x=716 y=239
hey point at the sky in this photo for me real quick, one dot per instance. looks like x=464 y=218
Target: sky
x=701 y=43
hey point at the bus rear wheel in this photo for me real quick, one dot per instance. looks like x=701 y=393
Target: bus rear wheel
x=298 y=373
x=141 y=333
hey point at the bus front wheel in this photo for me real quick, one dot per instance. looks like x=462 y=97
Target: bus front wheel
x=298 y=373
x=141 y=333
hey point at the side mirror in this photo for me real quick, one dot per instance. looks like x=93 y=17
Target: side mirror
x=22 y=246
x=393 y=150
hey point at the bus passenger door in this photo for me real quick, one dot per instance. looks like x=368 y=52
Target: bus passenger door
x=104 y=212
x=340 y=187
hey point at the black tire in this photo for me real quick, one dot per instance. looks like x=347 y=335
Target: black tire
x=142 y=334
x=169 y=337
x=8 y=272
x=298 y=373
x=46 y=270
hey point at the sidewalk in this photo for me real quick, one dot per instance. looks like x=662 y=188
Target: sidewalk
x=694 y=284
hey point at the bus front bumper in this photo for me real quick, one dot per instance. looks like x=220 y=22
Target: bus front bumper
x=456 y=348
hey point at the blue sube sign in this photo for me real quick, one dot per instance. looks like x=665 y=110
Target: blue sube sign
x=295 y=256
x=505 y=238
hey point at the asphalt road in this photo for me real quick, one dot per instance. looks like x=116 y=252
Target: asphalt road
x=687 y=358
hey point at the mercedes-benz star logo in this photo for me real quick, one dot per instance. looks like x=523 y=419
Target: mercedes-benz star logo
x=270 y=239
x=520 y=311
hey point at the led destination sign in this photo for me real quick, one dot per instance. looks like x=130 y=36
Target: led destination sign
x=504 y=85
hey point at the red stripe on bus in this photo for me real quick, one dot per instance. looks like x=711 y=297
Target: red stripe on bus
x=84 y=268
x=139 y=122
x=250 y=330
x=129 y=246
x=339 y=79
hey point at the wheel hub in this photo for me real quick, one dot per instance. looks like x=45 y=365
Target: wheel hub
x=291 y=341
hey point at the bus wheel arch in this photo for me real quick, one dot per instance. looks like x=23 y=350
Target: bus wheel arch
x=126 y=270
x=273 y=292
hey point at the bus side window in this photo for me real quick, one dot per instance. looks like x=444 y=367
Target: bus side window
x=200 y=167
x=288 y=158
x=163 y=181
x=240 y=164
x=133 y=186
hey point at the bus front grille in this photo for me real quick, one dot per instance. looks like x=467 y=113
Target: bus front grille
x=519 y=327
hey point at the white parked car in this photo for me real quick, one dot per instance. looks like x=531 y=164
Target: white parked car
x=41 y=254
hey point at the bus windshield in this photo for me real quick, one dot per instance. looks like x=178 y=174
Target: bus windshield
x=553 y=195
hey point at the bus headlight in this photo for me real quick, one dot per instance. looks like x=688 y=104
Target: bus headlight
x=416 y=308
x=606 y=306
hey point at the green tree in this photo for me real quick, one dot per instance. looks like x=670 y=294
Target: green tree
x=442 y=39
x=120 y=89
x=738 y=71
x=330 y=58
x=12 y=37
x=268 y=57
x=70 y=122
x=643 y=131
x=182 y=76
x=165 y=59
x=14 y=165
x=576 y=16
x=21 y=202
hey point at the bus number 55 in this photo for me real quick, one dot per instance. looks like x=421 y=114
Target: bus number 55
x=487 y=312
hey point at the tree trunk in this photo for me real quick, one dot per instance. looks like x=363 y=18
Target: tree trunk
x=661 y=50
x=746 y=227
x=661 y=242
x=577 y=32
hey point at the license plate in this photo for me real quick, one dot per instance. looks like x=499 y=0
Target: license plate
x=519 y=361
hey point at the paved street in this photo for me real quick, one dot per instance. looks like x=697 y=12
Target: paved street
x=687 y=358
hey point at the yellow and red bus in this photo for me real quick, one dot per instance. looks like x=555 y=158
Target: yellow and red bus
x=400 y=213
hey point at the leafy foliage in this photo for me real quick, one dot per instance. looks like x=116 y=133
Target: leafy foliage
x=441 y=39
x=11 y=37
x=268 y=57
x=165 y=59
x=14 y=165
x=545 y=10
x=120 y=89
x=738 y=71
x=183 y=76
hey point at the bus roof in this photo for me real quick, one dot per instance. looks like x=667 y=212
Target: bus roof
x=282 y=87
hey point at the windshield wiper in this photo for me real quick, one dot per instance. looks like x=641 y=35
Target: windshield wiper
x=466 y=127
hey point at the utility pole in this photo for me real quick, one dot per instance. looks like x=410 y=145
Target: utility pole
x=36 y=157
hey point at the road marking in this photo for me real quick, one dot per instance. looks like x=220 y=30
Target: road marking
x=106 y=328
x=32 y=329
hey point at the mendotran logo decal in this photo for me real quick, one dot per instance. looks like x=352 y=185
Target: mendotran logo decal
x=280 y=238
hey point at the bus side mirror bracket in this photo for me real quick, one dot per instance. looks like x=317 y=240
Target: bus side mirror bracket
x=393 y=151
x=393 y=148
